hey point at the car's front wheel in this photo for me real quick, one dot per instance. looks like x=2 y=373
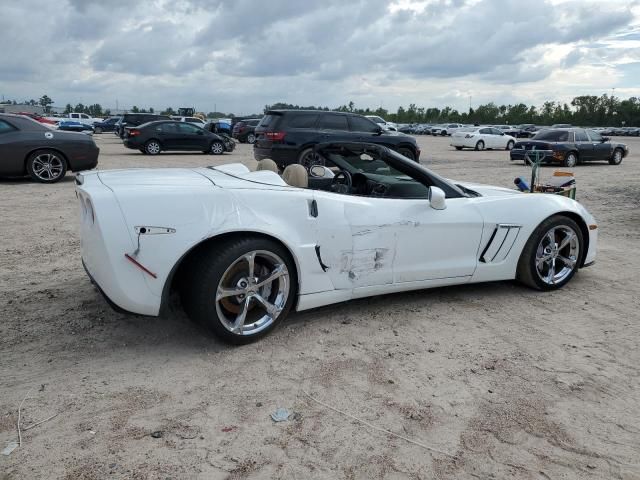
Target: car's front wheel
x=616 y=158
x=217 y=148
x=98 y=130
x=46 y=166
x=551 y=256
x=152 y=147
x=480 y=145
x=570 y=160
x=406 y=152
x=241 y=288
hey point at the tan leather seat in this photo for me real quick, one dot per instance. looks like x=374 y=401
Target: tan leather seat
x=267 y=164
x=296 y=176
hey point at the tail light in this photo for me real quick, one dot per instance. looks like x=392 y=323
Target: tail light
x=134 y=133
x=275 y=136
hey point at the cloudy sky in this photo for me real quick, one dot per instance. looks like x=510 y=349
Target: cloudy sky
x=239 y=55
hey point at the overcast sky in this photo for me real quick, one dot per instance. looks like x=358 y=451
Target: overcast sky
x=239 y=55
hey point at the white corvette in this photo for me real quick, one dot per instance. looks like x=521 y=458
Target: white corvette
x=242 y=248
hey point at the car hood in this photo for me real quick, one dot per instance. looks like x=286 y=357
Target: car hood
x=487 y=190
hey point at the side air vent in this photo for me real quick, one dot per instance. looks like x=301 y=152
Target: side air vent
x=500 y=243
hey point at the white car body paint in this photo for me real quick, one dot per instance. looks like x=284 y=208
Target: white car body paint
x=370 y=245
x=492 y=138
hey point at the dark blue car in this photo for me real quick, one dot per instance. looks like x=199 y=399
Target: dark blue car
x=73 y=126
x=108 y=125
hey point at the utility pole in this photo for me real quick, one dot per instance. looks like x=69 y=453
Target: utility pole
x=469 y=103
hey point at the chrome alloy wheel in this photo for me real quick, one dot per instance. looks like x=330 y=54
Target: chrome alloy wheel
x=557 y=254
x=252 y=292
x=153 y=148
x=48 y=166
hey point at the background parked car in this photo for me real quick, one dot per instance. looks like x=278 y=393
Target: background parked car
x=289 y=136
x=446 y=129
x=508 y=130
x=154 y=137
x=192 y=120
x=38 y=118
x=74 y=126
x=480 y=138
x=31 y=148
x=571 y=146
x=107 y=125
x=382 y=123
x=244 y=130
x=135 y=119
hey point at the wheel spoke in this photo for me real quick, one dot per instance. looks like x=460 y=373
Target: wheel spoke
x=239 y=323
x=569 y=262
x=566 y=240
x=251 y=261
x=542 y=260
x=551 y=236
x=269 y=307
x=278 y=271
x=229 y=292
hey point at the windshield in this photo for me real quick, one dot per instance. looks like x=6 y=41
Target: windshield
x=553 y=135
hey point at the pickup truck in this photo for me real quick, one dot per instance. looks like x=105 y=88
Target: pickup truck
x=77 y=117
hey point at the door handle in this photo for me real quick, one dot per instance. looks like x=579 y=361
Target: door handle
x=313 y=208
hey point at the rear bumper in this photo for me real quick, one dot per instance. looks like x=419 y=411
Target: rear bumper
x=519 y=154
x=84 y=159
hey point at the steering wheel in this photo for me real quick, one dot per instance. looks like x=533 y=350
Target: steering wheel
x=342 y=182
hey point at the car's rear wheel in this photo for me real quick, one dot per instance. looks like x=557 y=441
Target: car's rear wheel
x=241 y=288
x=152 y=147
x=616 y=158
x=46 y=166
x=406 y=152
x=570 y=160
x=458 y=148
x=551 y=256
x=308 y=158
x=443 y=133
x=251 y=138
x=217 y=148
x=480 y=145
x=510 y=144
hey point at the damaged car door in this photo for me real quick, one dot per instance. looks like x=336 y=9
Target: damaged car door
x=356 y=240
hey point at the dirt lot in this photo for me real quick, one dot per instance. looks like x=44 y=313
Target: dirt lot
x=503 y=381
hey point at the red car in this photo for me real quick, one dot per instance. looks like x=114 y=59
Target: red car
x=37 y=118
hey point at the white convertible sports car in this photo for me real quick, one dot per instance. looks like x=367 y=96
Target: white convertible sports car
x=242 y=248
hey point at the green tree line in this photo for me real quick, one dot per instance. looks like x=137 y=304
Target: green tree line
x=588 y=110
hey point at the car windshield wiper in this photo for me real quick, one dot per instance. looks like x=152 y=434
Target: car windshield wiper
x=468 y=191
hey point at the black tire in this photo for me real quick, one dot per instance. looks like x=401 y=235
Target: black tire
x=308 y=158
x=251 y=138
x=570 y=160
x=458 y=148
x=217 y=148
x=479 y=145
x=616 y=158
x=510 y=144
x=443 y=133
x=206 y=271
x=406 y=152
x=527 y=271
x=98 y=130
x=46 y=166
x=152 y=147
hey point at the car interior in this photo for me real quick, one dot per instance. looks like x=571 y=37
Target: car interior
x=352 y=172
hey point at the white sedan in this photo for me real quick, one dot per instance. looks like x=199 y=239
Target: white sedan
x=244 y=247
x=480 y=138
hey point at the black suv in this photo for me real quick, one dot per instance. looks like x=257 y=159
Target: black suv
x=244 y=130
x=288 y=136
x=135 y=119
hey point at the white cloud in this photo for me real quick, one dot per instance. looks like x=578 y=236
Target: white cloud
x=240 y=55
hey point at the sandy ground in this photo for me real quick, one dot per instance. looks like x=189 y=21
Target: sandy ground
x=503 y=381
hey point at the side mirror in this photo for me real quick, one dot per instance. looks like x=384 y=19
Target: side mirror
x=437 y=198
x=605 y=139
x=379 y=131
